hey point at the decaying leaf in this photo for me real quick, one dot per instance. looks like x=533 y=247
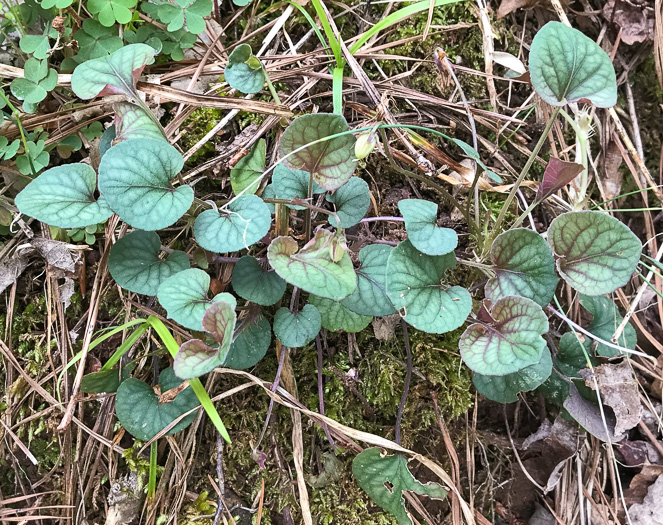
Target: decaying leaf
x=649 y=511
x=619 y=390
x=634 y=18
x=509 y=6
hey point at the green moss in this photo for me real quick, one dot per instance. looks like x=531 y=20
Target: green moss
x=197 y=126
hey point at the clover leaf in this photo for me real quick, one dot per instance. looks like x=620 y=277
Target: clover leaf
x=335 y=317
x=36 y=45
x=505 y=389
x=135 y=176
x=111 y=11
x=523 y=265
x=596 y=253
x=292 y=184
x=351 y=202
x=370 y=297
x=246 y=220
x=115 y=74
x=567 y=66
x=184 y=296
x=422 y=229
x=415 y=287
x=133 y=122
x=299 y=328
x=385 y=478
x=250 y=344
x=34 y=154
x=64 y=197
x=332 y=162
x=194 y=357
x=187 y=14
x=315 y=268
x=245 y=175
x=38 y=81
x=95 y=40
x=244 y=71
x=142 y=413
x=507 y=340
x=256 y=284
x=135 y=265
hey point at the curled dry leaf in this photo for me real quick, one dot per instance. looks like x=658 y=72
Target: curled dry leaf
x=636 y=21
x=649 y=511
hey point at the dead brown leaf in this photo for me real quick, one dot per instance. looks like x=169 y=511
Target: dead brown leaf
x=634 y=17
x=509 y=6
x=649 y=511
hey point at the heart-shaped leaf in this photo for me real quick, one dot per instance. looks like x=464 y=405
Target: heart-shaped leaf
x=64 y=197
x=509 y=342
x=332 y=162
x=314 y=268
x=250 y=345
x=351 y=202
x=256 y=284
x=105 y=380
x=523 y=265
x=335 y=317
x=415 y=287
x=605 y=320
x=299 y=329
x=370 y=297
x=140 y=412
x=596 y=254
x=133 y=122
x=115 y=74
x=35 y=45
x=245 y=175
x=36 y=84
x=244 y=71
x=504 y=389
x=557 y=175
x=184 y=296
x=195 y=358
x=422 y=229
x=111 y=11
x=135 y=265
x=244 y=222
x=292 y=184
x=134 y=177
x=567 y=66
x=385 y=478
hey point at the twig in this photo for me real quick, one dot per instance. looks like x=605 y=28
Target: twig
x=408 y=378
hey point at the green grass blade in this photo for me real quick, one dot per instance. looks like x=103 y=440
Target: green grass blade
x=152 y=482
x=337 y=86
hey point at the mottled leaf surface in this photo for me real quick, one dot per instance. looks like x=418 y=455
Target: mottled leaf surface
x=422 y=229
x=244 y=71
x=64 y=197
x=135 y=265
x=292 y=184
x=596 y=253
x=133 y=122
x=299 y=329
x=313 y=268
x=332 y=162
x=135 y=178
x=245 y=175
x=351 y=203
x=523 y=265
x=370 y=297
x=335 y=317
x=415 y=287
x=509 y=342
x=250 y=344
x=567 y=66
x=256 y=284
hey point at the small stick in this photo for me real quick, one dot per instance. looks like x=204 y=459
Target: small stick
x=408 y=378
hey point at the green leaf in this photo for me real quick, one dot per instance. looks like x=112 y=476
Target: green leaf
x=132 y=122
x=370 y=297
x=256 y=284
x=135 y=265
x=111 y=11
x=185 y=13
x=38 y=81
x=504 y=389
x=106 y=140
x=140 y=413
x=60 y=4
x=248 y=171
x=112 y=75
x=415 y=287
x=385 y=478
x=332 y=162
x=566 y=66
x=35 y=45
x=299 y=329
x=195 y=358
x=508 y=340
x=246 y=220
x=250 y=345
x=135 y=176
x=474 y=155
x=351 y=202
x=313 y=268
x=244 y=71
x=605 y=320
x=292 y=184
x=596 y=254
x=64 y=197
x=96 y=41
x=335 y=317
x=184 y=296
x=523 y=265
x=422 y=229
x=104 y=380
x=36 y=153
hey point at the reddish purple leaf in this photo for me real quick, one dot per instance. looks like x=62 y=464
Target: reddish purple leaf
x=557 y=175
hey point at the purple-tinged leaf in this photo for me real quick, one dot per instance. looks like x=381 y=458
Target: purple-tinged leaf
x=557 y=175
